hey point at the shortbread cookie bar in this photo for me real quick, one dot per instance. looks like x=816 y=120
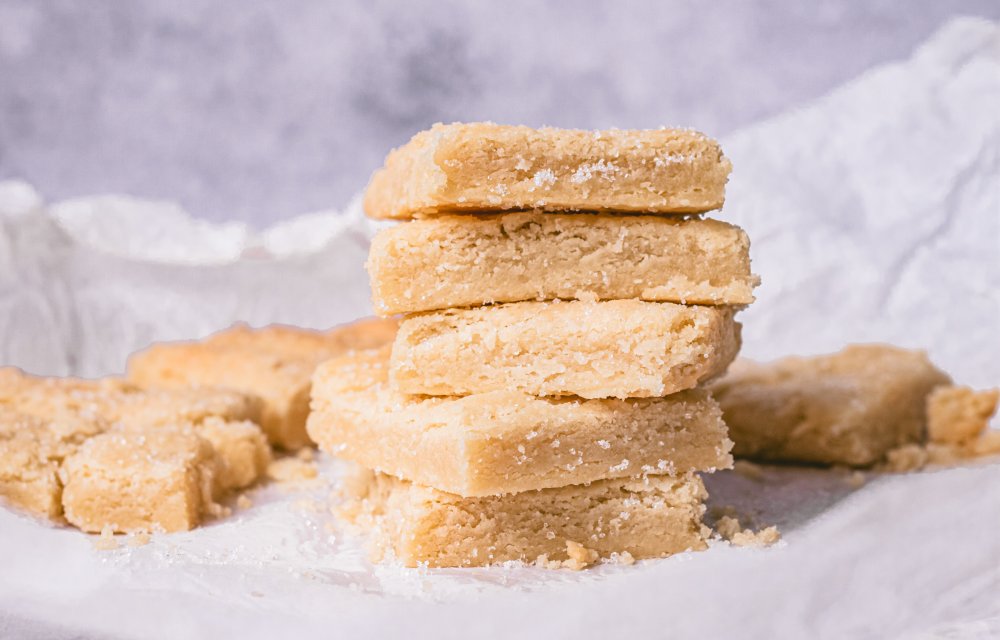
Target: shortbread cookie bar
x=850 y=407
x=274 y=364
x=507 y=441
x=488 y=167
x=140 y=480
x=610 y=349
x=76 y=410
x=569 y=526
x=458 y=261
x=28 y=474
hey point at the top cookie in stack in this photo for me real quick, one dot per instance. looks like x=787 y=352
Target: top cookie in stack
x=541 y=397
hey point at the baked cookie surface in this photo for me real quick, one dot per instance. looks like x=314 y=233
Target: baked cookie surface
x=483 y=166
x=462 y=261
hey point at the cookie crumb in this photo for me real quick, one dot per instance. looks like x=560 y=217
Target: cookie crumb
x=580 y=557
x=307 y=454
x=908 y=457
x=291 y=470
x=622 y=557
x=543 y=562
x=106 y=541
x=243 y=501
x=762 y=538
x=730 y=529
x=138 y=539
x=855 y=479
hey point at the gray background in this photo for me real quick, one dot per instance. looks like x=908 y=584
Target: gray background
x=259 y=111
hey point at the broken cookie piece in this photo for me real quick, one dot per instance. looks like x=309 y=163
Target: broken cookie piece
x=849 y=408
x=957 y=415
x=957 y=431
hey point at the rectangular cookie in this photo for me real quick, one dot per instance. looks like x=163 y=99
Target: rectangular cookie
x=484 y=166
x=28 y=475
x=609 y=349
x=850 y=407
x=139 y=480
x=572 y=526
x=506 y=441
x=462 y=261
x=274 y=364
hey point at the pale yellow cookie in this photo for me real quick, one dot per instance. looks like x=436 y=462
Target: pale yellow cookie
x=460 y=261
x=488 y=167
x=507 y=441
x=570 y=526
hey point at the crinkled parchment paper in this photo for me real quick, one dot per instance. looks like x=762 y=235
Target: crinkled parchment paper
x=875 y=215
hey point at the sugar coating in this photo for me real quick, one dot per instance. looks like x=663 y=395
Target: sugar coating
x=609 y=349
x=460 y=261
x=488 y=167
x=850 y=408
x=242 y=450
x=28 y=468
x=65 y=451
x=274 y=364
x=573 y=525
x=76 y=410
x=507 y=441
x=139 y=480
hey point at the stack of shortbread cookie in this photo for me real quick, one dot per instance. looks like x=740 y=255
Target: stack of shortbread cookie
x=542 y=400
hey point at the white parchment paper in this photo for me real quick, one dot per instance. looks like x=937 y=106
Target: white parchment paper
x=875 y=215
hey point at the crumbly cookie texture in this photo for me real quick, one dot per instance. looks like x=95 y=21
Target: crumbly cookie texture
x=730 y=529
x=241 y=448
x=146 y=480
x=957 y=415
x=507 y=441
x=570 y=526
x=957 y=431
x=109 y=455
x=488 y=167
x=274 y=364
x=849 y=408
x=460 y=261
x=609 y=349
x=76 y=410
x=29 y=476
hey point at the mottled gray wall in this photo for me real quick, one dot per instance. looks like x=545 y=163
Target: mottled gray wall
x=261 y=110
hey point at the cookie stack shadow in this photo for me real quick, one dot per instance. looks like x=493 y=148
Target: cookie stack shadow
x=563 y=303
